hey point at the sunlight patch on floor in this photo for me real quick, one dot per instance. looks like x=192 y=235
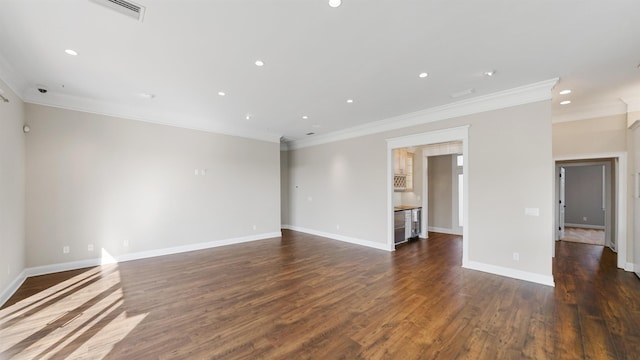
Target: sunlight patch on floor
x=73 y=319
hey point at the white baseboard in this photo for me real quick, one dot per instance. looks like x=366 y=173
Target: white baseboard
x=12 y=288
x=512 y=273
x=73 y=265
x=343 y=238
x=584 y=226
x=629 y=267
x=443 y=230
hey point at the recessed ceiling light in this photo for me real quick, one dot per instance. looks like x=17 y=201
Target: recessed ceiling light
x=221 y=93
x=565 y=92
x=147 y=95
x=423 y=75
x=259 y=63
x=489 y=73
x=350 y=101
x=566 y=102
x=335 y=3
x=248 y=117
x=305 y=117
x=71 y=52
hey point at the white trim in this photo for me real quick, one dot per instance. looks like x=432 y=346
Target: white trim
x=591 y=111
x=584 y=226
x=19 y=86
x=48 y=269
x=12 y=78
x=13 y=287
x=633 y=104
x=629 y=267
x=621 y=197
x=80 y=264
x=68 y=102
x=512 y=273
x=443 y=230
x=351 y=240
x=460 y=133
x=535 y=92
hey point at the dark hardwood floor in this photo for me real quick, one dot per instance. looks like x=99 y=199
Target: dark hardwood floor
x=304 y=296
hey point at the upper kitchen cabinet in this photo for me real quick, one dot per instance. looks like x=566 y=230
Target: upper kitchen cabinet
x=399 y=161
x=402 y=170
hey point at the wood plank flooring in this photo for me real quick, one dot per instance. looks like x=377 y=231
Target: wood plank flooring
x=585 y=236
x=302 y=296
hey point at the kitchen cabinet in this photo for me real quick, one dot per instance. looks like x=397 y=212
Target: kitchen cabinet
x=402 y=170
x=399 y=161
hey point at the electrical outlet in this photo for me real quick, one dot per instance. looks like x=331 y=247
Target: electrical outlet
x=65 y=249
x=203 y=172
x=125 y=243
x=196 y=172
x=584 y=218
x=338 y=227
x=516 y=256
x=254 y=227
x=90 y=247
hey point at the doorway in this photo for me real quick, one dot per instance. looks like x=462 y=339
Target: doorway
x=586 y=202
x=443 y=188
x=430 y=138
x=612 y=194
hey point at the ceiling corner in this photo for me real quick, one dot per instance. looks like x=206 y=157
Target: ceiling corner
x=12 y=78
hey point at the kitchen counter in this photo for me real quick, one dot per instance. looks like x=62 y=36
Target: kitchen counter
x=405 y=207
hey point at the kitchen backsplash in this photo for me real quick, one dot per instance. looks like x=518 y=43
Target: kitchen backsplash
x=406 y=198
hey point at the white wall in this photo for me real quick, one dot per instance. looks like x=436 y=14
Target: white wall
x=440 y=191
x=12 y=192
x=584 y=195
x=603 y=135
x=101 y=180
x=284 y=187
x=590 y=136
x=509 y=150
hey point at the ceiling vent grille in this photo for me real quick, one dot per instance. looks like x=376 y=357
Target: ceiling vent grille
x=124 y=7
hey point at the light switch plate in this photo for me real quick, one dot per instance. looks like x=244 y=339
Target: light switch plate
x=532 y=211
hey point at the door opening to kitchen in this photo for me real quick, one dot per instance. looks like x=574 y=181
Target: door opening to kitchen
x=428 y=191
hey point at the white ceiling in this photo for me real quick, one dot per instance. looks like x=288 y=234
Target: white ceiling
x=316 y=57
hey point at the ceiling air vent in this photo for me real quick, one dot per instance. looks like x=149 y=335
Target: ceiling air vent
x=124 y=7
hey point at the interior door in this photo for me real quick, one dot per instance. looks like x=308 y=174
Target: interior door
x=561 y=204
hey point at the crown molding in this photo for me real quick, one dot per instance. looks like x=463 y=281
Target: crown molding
x=12 y=78
x=98 y=107
x=590 y=112
x=535 y=92
x=20 y=87
x=633 y=104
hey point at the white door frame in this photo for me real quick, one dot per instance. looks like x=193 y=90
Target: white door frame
x=432 y=137
x=561 y=200
x=621 y=199
x=606 y=196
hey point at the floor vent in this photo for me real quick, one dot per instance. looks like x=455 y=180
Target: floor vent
x=124 y=7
